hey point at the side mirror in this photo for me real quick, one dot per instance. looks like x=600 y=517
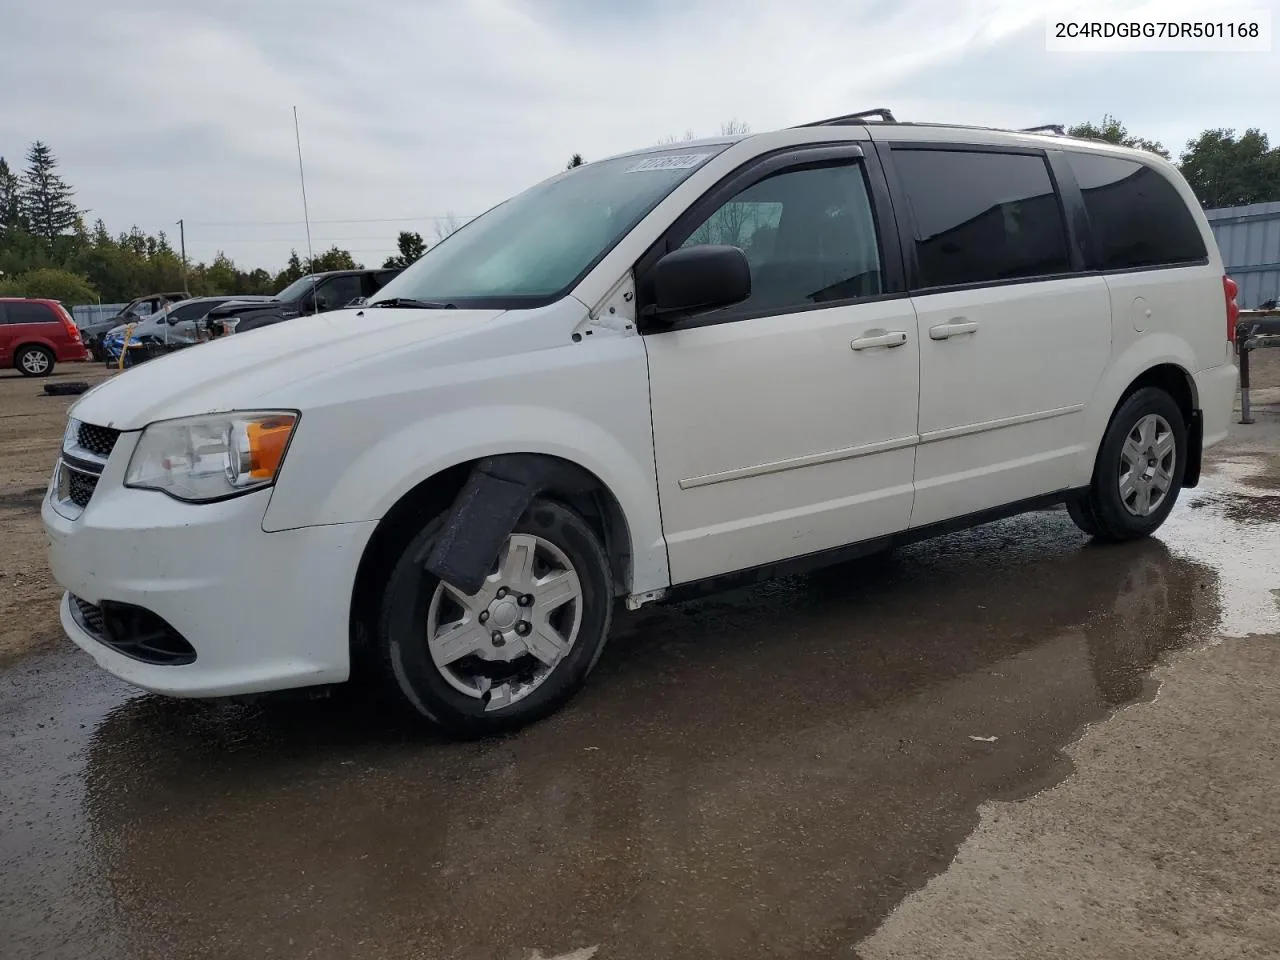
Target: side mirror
x=698 y=278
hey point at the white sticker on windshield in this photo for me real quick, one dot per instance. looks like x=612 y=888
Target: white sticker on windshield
x=679 y=161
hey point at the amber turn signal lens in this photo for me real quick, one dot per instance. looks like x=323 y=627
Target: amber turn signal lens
x=267 y=440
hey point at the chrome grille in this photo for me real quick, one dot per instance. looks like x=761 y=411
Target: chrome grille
x=97 y=440
x=80 y=486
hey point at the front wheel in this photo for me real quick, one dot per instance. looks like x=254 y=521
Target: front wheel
x=513 y=652
x=1139 y=469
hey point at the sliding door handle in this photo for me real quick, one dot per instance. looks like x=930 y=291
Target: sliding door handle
x=956 y=327
x=895 y=338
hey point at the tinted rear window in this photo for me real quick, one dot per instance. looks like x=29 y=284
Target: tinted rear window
x=29 y=313
x=1137 y=216
x=982 y=217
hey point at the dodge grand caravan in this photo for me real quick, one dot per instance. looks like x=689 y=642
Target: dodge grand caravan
x=664 y=372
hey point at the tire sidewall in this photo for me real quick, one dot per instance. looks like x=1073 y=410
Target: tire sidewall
x=1106 y=492
x=402 y=635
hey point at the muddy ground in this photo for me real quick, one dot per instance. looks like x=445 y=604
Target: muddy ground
x=1004 y=743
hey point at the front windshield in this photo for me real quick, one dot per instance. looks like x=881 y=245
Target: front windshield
x=536 y=245
x=296 y=289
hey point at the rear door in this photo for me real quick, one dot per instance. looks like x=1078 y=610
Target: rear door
x=1012 y=338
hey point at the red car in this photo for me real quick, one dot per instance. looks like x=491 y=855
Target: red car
x=36 y=334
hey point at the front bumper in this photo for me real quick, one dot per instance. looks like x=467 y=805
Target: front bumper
x=264 y=611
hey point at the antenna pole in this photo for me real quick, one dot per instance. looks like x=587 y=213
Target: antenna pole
x=306 y=217
x=182 y=241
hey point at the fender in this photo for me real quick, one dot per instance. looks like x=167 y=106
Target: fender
x=365 y=488
x=494 y=497
x=1150 y=351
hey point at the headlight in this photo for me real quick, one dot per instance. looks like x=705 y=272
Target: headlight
x=212 y=457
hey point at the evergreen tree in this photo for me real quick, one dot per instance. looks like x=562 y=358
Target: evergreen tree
x=46 y=201
x=10 y=198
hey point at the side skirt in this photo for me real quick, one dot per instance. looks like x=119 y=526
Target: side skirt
x=852 y=551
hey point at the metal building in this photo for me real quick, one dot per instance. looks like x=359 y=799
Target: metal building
x=1249 y=238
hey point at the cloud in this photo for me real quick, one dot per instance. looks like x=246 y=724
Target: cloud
x=168 y=109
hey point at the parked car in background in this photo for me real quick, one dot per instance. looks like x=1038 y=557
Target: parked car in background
x=136 y=309
x=37 y=334
x=314 y=293
x=178 y=322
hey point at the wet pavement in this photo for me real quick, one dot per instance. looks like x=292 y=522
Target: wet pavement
x=755 y=774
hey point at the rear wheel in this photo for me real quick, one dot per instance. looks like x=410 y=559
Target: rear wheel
x=1139 y=470
x=34 y=361
x=516 y=650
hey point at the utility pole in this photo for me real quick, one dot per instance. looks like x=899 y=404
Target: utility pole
x=306 y=217
x=182 y=242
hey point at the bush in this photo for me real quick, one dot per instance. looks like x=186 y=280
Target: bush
x=49 y=284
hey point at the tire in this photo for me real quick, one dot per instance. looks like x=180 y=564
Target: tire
x=1082 y=514
x=1148 y=432
x=34 y=361
x=465 y=694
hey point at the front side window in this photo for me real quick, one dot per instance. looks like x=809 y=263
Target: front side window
x=1137 y=217
x=191 y=311
x=300 y=286
x=338 y=292
x=535 y=246
x=982 y=217
x=809 y=236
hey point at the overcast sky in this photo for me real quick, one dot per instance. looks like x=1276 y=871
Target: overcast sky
x=412 y=109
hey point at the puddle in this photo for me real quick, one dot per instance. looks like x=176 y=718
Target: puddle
x=766 y=772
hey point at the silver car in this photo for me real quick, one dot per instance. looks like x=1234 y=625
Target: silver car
x=179 y=322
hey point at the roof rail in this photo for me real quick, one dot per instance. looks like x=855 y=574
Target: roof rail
x=882 y=113
x=1057 y=128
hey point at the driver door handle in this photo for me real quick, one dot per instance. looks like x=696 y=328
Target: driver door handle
x=877 y=338
x=955 y=327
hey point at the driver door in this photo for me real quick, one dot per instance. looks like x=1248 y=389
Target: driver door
x=785 y=425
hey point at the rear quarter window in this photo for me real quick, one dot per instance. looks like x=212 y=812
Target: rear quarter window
x=1137 y=217
x=29 y=313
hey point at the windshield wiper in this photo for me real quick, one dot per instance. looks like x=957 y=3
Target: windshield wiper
x=412 y=304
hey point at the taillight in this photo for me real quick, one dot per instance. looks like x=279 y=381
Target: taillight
x=1229 y=291
x=68 y=323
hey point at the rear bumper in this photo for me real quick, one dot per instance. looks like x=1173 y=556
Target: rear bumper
x=72 y=354
x=1216 y=389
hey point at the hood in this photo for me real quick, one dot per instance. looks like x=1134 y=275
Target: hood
x=239 y=371
x=236 y=308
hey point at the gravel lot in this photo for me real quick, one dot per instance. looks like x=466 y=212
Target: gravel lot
x=31 y=425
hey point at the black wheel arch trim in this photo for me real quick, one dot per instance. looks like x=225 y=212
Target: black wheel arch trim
x=495 y=495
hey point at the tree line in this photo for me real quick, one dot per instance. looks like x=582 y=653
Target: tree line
x=46 y=250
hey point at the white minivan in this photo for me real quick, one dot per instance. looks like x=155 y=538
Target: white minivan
x=666 y=372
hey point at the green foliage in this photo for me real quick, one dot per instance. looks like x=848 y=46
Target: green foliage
x=574 y=161
x=334 y=259
x=1113 y=131
x=411 y=246
x=50 y=284
x=1226 y=171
